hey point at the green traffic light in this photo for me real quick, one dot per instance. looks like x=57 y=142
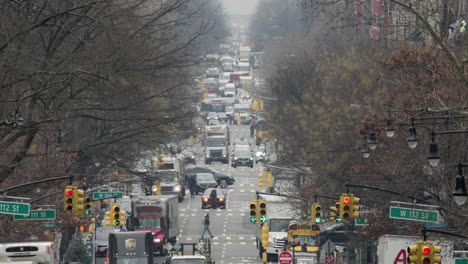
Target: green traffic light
x=318 y=220
x=263 y=219
x=253 y=219
x=87 y=212
x=116 y=223
x=338 y=220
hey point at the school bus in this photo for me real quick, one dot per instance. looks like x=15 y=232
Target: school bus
x=303 y=238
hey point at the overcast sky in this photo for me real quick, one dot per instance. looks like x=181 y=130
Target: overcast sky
x=239 y=7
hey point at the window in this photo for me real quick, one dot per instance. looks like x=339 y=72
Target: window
x=305 y=240
x=149 y=223
x=279 y=225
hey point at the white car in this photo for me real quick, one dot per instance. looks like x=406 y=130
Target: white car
x=260 y=154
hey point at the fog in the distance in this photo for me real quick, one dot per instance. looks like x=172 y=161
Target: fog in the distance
x=239 y=7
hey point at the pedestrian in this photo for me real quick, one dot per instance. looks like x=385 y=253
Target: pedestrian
x=206 y=226
x=192 y=186
x=213 y=197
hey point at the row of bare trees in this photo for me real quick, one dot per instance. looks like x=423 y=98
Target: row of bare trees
x=333 y=88
x=97 y=83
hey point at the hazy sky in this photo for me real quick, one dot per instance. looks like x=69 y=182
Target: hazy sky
x=239 y=7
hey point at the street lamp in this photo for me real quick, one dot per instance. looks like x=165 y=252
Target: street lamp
x=372 y=141
x=389 y=130
x=433 y=156
x=460 y=195
x=412 y=139
x=365 y=151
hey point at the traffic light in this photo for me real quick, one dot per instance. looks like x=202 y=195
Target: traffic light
x=270 y=179
x=415 y=252
x=253 y=212
x=78 y=201
x=355 y=206
x=261 y=180
x=159 y=160
x=68 y=195
x=157 y=188
x=265 y=230
x=345 y=206
x=316 y=213
x=263 y=210
x=87 y=206
x=436 y=258
x=115 y=216
x=335 y=213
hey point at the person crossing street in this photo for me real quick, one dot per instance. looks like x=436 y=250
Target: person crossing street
x=206 y=226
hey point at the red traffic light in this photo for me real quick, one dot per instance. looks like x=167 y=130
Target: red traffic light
x=69 y=193
x=346 y=200
x=426 y=251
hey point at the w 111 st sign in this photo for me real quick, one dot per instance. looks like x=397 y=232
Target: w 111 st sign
x=14 y=208
x=414 y=214
x=37 y=215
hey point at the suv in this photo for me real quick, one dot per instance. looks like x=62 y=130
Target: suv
x=242 y=157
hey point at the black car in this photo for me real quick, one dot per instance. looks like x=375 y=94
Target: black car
x=242 y=157
x=223 y=180
x=189 y=157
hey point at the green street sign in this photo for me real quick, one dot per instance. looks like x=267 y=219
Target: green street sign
x=37 y=215
x=263 y=219
x=49 y=224
x=461 y=261
x=14 y=208
x=414 y=214
x=360 y=222
x=253 y=220
x=101 y=195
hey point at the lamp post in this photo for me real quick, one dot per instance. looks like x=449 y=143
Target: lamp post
x=460 y=195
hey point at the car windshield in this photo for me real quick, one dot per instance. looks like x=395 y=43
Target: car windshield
x=131 y=260
x=213 y=122
x=188 y=261
x=205 y=177
x=229 y=109
x=279 y=225
x=242 y=153
x=148 y=223
x=212 y=114
x=304 y=240
x=310 y=260
x=215 y=142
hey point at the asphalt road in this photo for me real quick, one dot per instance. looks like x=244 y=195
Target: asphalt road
x=234 y=237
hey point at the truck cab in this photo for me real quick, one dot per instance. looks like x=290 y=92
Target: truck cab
x=131 y=247
x=216 y=149
x=170 y=175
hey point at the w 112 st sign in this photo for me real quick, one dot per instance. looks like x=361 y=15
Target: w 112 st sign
x=414 y=214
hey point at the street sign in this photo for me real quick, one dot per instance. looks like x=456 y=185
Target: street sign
x=49 y=224
x=14 y=208
x=328 y=247
x=414 y=214
x=101 y=195
x=360 y=222
x=461 y=261
x=37 y=215
x=285 y=258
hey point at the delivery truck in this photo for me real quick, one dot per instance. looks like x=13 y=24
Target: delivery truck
x=158 y=214
x=130 y=247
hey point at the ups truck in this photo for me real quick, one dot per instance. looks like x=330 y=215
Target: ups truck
x=131 y=247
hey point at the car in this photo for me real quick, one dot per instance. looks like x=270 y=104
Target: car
x=242 y=157
x=223 y=180
x=229 y=110
x=189 y=157
x=204 y=181
x=260 y=154
x=221 y=197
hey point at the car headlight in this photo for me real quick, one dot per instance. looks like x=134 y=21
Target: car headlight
x=221 y=199
x=207 y=155
x=235 y=158
x=177 y=188
x=205 y=199
x=155 y=189
x=157 y=240
x=251 y=158
x=192 y=157
x=224 y=155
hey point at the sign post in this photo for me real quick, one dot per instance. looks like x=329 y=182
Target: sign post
x=14 y=208
x=285 y=257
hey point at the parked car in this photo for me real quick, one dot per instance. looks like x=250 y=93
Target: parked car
x=189 y=157
x=222 y=179
x=204 y=181
x=221 y=197
x=242 y=157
